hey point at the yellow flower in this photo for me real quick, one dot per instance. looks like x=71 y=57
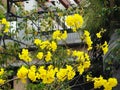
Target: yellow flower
x=89 y=78
x=62 y=74
x=86 y=33
x=53 y=46
x=56 y=69
x=78 y=20
x=25 y=55
x=80 y=55
x=69 y=20
x=47 y=76
x=87 y=39
x=37 y=41
x=71 y=72
x=107 y=87
x=86 y=64
x=6 y=30
x=40 y=55
x=33 y=68
x=50 y=76
x=107 y=84
x=87 y=57
x=65 y=73
x=2 y=81
x=98 y=82
x=50 y=67
x=69 y=68
x=112 y=82
x=80 y=69
x=42 y=72
x=74 y=21
x=7 y=25
x=22 y=73
x=45 y=45
x=48 y=57
x=64 y=35
x=58 y=35
x=32 y=75
x=105 y=47
x=98 y=35
x=1 y=71
x=4 y=21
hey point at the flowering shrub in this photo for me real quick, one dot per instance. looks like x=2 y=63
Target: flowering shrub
x=100 y=81
x=57 y=65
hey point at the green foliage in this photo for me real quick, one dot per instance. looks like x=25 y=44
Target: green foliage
x=112 y=59
x=2 y=12
x=38 y=86
x=93 y=14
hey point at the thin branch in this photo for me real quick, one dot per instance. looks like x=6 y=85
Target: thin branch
x=9 y=81
x=8 y=54
x=18 y=41
x=17 y=58
x=80 y=84
x=4 y=42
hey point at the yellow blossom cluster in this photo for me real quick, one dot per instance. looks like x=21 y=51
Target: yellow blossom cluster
x=22 y=73
x=40 y=55
x=98 y=82
x=83 y=66
x=25 y=55
x=46 y=48
x=37 y=41
x=7 y=25
x=46 y=44
x=1 y=74
x=48 y=57
x=47 y=75
x=65 y=73
x=83 y=59
x=111 y=82
x=58 y=35
x=101 y=82
x=1 y=71
x=74 y=21
x=32 y=73
x=81 y=56
x=99 y=33
x=107 y=84
x=87 y=39
x=105 y=47
x=2 y=81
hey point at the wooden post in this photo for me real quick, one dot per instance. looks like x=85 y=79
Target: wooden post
x=65 y=3
x=77 y=1
x=19 y=85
